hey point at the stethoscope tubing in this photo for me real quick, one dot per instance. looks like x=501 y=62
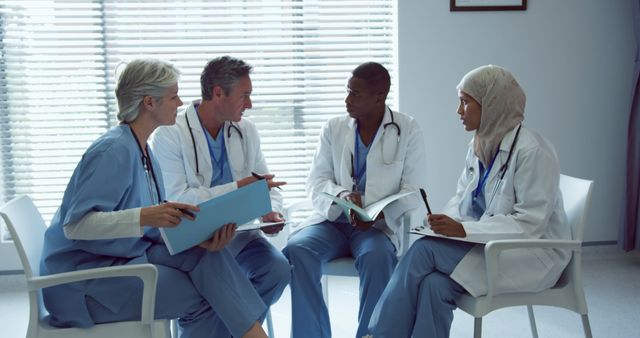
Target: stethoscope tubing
x=193 y=140
x=384 y=129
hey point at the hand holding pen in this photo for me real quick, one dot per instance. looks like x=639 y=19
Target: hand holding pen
x=424 y=198
x=256 y=177
x=167 y=214
x=270 y=182
x=442 y=224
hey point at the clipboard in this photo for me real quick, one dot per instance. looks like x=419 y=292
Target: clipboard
x=239 y=206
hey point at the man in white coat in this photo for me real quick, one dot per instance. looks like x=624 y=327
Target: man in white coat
x=212 y=150
x=364 y=156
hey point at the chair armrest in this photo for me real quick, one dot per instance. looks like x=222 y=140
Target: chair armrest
x=493 y=249
x=289 y=209
x=146 y=272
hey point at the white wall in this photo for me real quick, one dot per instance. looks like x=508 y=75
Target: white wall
x=574 y=59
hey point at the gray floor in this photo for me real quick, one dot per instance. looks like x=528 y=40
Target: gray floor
x=611 y=280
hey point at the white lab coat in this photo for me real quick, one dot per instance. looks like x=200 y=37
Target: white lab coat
x=173 y=148
x=331 y=170
x=527 y=204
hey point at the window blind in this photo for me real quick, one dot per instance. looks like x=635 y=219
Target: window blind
x=60 y=58
x=53 y=97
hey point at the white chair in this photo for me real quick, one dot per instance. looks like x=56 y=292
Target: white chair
x=27 y=228
x=567 y=293
x=343 y=266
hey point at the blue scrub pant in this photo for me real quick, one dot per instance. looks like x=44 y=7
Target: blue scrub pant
x=311 y=247
x=420 y=297
x=268 y=271
x=205 y=290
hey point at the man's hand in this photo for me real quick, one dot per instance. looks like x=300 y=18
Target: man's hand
x=220 y=238
x=167 y=214
x=444 y=225
x=268 y=177
x=273 y=217
x=356 y=222
x=353 y=197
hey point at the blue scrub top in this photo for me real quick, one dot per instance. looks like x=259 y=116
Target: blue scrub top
x=109 y=177
x=219 y=158
x=360 y=171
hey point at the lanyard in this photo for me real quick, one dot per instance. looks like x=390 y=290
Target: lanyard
x=148 y=170
x=483 y=180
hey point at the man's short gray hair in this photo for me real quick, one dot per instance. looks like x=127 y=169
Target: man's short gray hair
x=224 y=71
x=140 y=78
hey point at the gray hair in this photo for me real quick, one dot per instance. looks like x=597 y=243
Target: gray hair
x=140 y=78
x=224 y=72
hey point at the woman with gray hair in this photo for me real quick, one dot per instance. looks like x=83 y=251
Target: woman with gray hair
x=110 y=215
x=508 y=189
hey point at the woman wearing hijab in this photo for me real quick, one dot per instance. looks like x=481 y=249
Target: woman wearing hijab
x=508 y=189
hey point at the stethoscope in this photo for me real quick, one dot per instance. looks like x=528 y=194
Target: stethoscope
x=504 y=167
x=395 y=126
x=193 y=142
x=356 y=176
x=148 y=168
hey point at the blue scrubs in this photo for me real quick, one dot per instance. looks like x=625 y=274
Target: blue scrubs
x=266 y=268
x=311 y=247
x=196 y=286
x=420 y=298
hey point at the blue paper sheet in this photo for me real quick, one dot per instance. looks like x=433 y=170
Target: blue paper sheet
x=239 y=206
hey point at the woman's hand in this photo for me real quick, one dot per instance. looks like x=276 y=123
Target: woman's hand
x=445 y=225
x=220 y=238
x=167 y=214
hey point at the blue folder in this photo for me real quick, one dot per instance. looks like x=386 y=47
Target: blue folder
x=239 y=206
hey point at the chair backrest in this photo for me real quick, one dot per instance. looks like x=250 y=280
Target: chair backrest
x=576 y=197
x=27 y=228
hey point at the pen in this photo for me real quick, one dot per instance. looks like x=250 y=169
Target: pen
x=184 y=211
x=424 y=198
x=260 y=177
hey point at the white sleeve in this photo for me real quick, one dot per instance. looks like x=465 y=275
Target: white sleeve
x=322 y=175
x=105 y=225
x=452 y=208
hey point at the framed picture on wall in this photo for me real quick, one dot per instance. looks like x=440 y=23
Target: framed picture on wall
x=487 y=5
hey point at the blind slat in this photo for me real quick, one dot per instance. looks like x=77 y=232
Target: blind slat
x=59 y=59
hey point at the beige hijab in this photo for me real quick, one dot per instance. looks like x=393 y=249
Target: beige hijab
x=502 y=101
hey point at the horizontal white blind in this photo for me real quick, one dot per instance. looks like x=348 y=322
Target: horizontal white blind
x=54 y=95
x=60 y=58
x=302 y=53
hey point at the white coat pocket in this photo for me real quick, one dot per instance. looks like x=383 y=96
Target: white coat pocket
x=501 y=205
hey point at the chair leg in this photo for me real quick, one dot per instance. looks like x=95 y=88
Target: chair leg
x=532 y=321
x=270 y=324
x=325 y=289
x=174 y=328
x=477 y=327
x=586 y=326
